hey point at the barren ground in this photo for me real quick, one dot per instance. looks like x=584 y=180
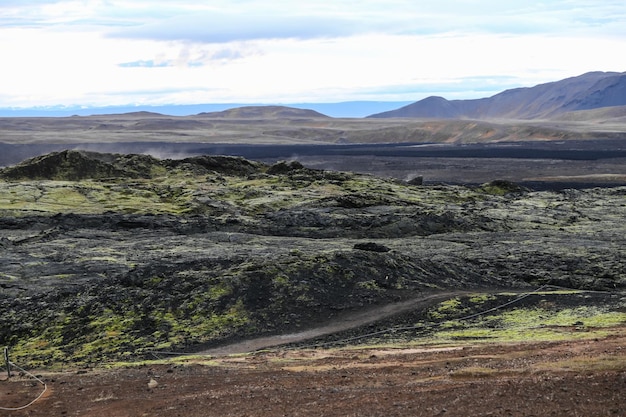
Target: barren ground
x=571 y=378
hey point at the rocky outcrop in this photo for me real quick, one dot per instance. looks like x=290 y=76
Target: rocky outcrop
x=201 y=251
x=69 y=165
x=73 y=165
x=226 y=165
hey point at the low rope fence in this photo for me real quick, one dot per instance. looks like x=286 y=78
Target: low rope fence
x=10 y=365
x=423 y=326
x=157 y=355
x=161 y=354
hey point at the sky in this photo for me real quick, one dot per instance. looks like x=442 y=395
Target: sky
x=152 y=52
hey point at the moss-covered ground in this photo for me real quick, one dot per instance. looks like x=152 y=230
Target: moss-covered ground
x=109 y=258
x=553 y=315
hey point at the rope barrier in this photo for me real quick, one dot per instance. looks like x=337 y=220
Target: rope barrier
x=427 y=326
x=349 y=339
x=387 y=330
x=45 y=388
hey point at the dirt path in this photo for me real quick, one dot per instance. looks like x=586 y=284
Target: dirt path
x=339 y=324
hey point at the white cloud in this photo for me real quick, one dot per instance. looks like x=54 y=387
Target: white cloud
x=224 y=28
x=154 y=51
x=248 y=20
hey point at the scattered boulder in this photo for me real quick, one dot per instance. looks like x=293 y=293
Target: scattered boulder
x=152 y=384
x=226 y=165
x=503 y=187
x=362 y=200
x=371 y=247
x=284 y=167
x=418 y=180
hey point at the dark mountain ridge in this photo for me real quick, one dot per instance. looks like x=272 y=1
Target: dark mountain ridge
x=589 y=91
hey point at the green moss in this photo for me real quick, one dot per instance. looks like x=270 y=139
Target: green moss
x=567 y=317
x=479 y=299
x=38 y=353
x=447 y=309
x=370 y=285
x=501 y=188
x=185 y=304
x=88 y=336
x=519 y=335
x=87 y=196
x=534 y=324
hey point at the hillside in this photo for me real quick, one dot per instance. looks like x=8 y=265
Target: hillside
x=592 y=90
x=113 y=257
x=177 y=137
x=262 y=112
x=601 y=116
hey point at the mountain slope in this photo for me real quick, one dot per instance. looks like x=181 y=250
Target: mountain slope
x=592 y=90
x=248 y=112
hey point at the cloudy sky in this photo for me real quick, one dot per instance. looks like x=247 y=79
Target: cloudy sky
x=120 y=52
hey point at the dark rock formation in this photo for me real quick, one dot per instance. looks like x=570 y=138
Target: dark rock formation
x=74 y=165
x=284 y=167
x=418 y=180
x=371 y=246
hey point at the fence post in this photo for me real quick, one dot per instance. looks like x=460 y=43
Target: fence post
x=6 y=360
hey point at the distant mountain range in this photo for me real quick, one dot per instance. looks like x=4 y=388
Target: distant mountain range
x=589 y=91
x=582 y=98
x=351 y=109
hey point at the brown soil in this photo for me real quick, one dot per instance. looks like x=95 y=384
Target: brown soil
x=570 y=378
